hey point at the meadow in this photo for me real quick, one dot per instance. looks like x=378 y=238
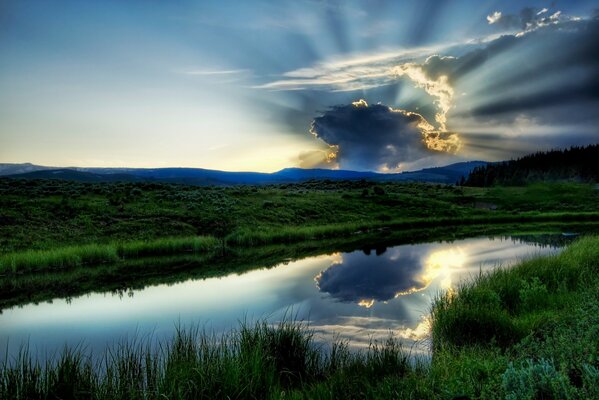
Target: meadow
x=529 y=332
x=49 y=225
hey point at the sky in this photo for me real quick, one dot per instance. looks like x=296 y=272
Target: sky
x=373 y=85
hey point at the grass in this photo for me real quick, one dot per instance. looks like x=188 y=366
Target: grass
x=52 y=225
x=528 y=332
x=44 y=215
x=254 y=362
x=93 y=254
x=505 y=305
x=531 y=331
x=76 y=256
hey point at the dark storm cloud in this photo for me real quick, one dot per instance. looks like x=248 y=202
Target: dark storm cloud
x=376 y=136
x=586 y=90
x=571 y=43
x=380 y=278
x=456 y=67
x=552 y=65
x=565 y=64
x=505 y=146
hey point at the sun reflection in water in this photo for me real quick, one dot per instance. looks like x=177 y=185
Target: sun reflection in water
x=438 y=265
x=441 y=264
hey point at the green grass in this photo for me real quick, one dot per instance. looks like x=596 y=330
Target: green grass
x=506 y=304
x=528 y=332
x=94 y=254
x=59 y=258
x=50 y=225
x=536 y=323
x=43 y=215
x=172 y=245
x=253 y=362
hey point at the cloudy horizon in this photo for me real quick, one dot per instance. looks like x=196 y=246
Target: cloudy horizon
x=371 y=85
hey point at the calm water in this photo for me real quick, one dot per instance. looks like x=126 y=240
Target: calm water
x=358 y=296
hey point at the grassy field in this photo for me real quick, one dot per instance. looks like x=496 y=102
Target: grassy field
x=53 y=225
x=530 y=332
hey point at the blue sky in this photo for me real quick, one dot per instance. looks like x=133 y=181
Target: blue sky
x=266 y=85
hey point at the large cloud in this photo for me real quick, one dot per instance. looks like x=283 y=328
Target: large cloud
x=538 y=79
x=361 y=277
x=379 y=137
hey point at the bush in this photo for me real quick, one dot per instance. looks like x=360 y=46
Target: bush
x=533 y=294
x=268 y=204
x=534 y=380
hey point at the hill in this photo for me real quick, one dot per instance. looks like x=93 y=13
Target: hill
x=198 y=176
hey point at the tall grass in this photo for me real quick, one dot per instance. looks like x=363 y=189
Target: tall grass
x=176 y=245
x=59 y=258
x=504 y=305
x=75 y=256
x=253 y=362
x=253 y=237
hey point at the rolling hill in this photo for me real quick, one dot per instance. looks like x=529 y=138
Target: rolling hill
x=197 y=176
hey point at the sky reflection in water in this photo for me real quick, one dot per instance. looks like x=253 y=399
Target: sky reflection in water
x=360 y=296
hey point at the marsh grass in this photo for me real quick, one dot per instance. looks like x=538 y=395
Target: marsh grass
x=174 y=245
x=76 y=256
x=504 y=305
x=59 y=258
x=253 y=362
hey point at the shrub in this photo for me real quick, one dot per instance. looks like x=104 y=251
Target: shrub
x=534 y=380
x=378 y=190
x=533 y=294
x=268 y=204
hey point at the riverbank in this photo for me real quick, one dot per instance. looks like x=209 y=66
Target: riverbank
x=45 y=215
x=528 y=332
x=94 y=255
x=135 y=273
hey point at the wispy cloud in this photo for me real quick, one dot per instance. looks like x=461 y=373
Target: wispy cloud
x=529 y=19
x=356 y=72
x=208 y=72
x=493 y=18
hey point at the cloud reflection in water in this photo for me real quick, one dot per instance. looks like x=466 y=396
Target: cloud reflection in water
x=364 y=279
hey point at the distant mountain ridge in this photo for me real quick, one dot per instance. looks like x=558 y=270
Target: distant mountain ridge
x=198 y=176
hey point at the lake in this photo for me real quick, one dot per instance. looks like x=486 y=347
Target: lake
x=359 y=296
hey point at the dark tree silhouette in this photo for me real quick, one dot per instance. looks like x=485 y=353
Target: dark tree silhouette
x=575 y=163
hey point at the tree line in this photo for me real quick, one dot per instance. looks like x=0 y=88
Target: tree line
x=579 y=163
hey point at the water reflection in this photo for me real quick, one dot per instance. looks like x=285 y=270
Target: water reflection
x=361 y=278
x=359 y=296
